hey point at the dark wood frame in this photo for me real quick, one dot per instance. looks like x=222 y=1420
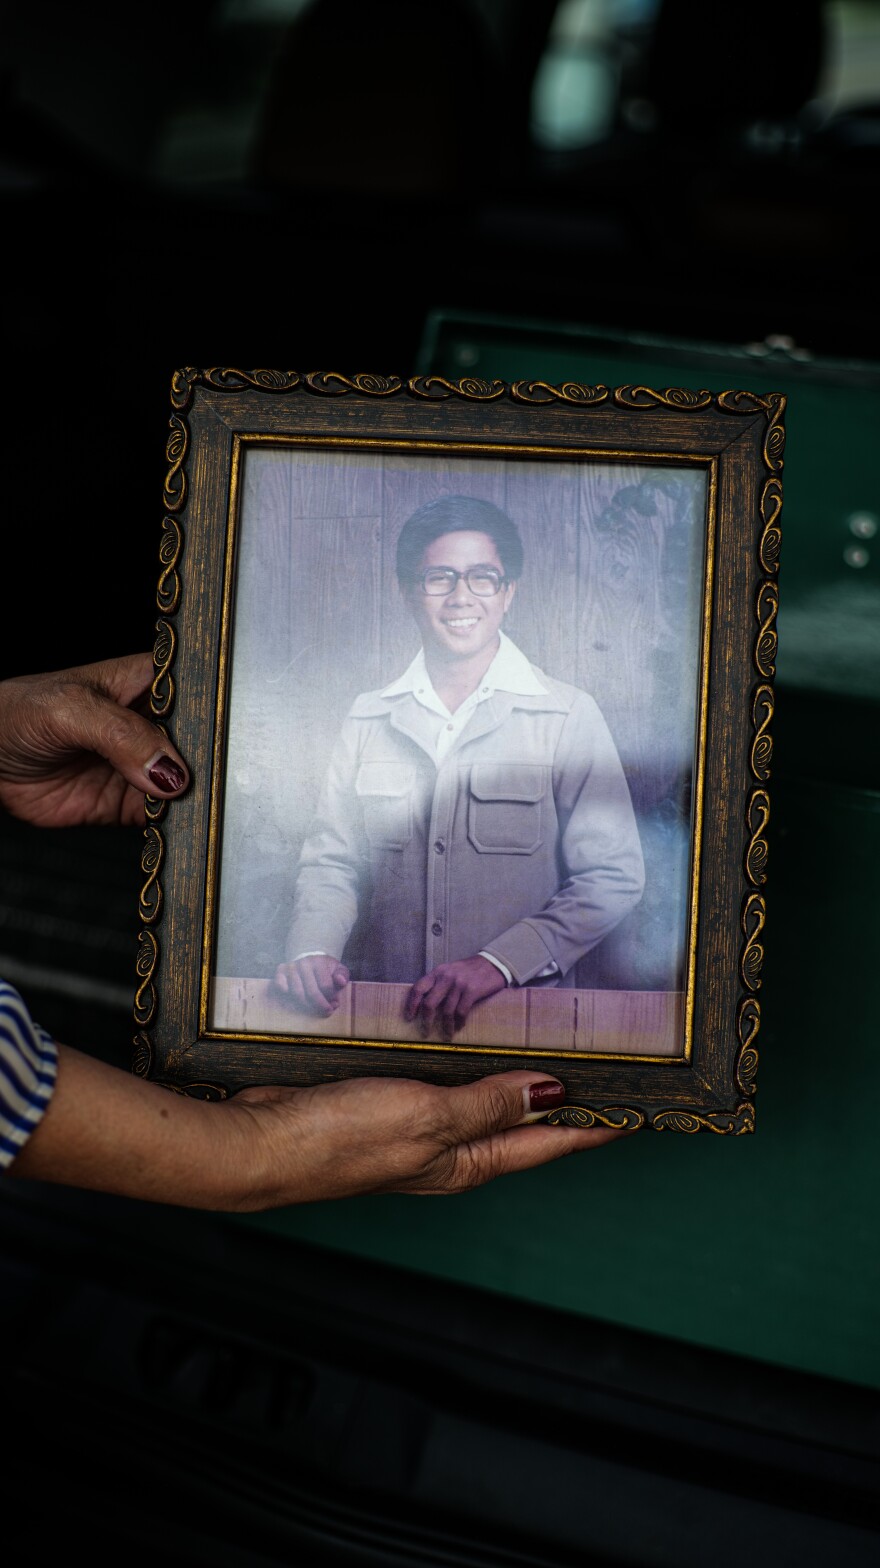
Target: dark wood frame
x=739 y=438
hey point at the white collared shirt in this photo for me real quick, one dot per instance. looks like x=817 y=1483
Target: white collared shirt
x=510 y=670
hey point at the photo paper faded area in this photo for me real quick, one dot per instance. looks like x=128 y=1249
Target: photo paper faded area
x=608 y=602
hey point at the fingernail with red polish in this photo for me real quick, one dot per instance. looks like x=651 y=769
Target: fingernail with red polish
x=166 y=774
x=544 y=1096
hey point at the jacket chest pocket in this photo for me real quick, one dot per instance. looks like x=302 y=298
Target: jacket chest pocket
x=506 y=808
x=385 y=792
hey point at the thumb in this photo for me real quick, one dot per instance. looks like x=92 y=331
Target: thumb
x=502 y=1101
x=137 y=749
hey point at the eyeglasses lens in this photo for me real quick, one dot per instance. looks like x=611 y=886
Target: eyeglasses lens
x=484 y=582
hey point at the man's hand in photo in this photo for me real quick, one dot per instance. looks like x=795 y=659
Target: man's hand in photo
x=313 y=983
x=444 y=997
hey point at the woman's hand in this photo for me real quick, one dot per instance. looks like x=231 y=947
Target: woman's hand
x=269 y=1147
x=369 y=1135
x=75 y=749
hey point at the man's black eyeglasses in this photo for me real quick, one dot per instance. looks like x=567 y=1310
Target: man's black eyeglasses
x=483 y=581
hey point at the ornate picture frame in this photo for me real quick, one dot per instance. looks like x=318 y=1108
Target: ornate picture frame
x=651 y=525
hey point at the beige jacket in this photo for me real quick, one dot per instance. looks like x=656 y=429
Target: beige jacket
x=522 y=842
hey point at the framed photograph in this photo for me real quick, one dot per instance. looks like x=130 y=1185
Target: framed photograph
x=475 y=683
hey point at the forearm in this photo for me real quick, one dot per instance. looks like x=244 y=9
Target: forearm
x=599 y=848
x=332 y=861
x=108 y=1131
x=325 y=899
x=573 y=922
x=325 y=909
x=268 y=1147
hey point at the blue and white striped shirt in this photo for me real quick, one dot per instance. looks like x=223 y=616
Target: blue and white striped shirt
x=28 y=1068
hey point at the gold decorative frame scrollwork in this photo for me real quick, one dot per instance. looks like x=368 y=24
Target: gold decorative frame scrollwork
x=538 y=395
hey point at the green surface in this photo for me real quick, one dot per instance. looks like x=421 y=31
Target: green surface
x=766 y=1246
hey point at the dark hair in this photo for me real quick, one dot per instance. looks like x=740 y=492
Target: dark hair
x=452 y=514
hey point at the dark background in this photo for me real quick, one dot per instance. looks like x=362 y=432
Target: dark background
x=202 y=183
x=265 y=184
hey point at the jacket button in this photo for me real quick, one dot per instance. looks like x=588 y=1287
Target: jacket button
x=439 y=847
x=437 y=928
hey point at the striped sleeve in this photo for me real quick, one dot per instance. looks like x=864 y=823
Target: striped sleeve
x=28 y=1068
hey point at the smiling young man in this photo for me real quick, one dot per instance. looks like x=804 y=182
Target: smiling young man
x=475 y=829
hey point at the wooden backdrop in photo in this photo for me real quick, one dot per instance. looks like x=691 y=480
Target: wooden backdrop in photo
x=610 y=600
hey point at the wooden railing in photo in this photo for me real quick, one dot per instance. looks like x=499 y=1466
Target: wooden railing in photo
x=532 y=1018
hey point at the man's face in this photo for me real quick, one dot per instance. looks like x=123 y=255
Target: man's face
x=459 y=624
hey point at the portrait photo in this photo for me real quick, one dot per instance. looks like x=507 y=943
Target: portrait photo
x=455 y=802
